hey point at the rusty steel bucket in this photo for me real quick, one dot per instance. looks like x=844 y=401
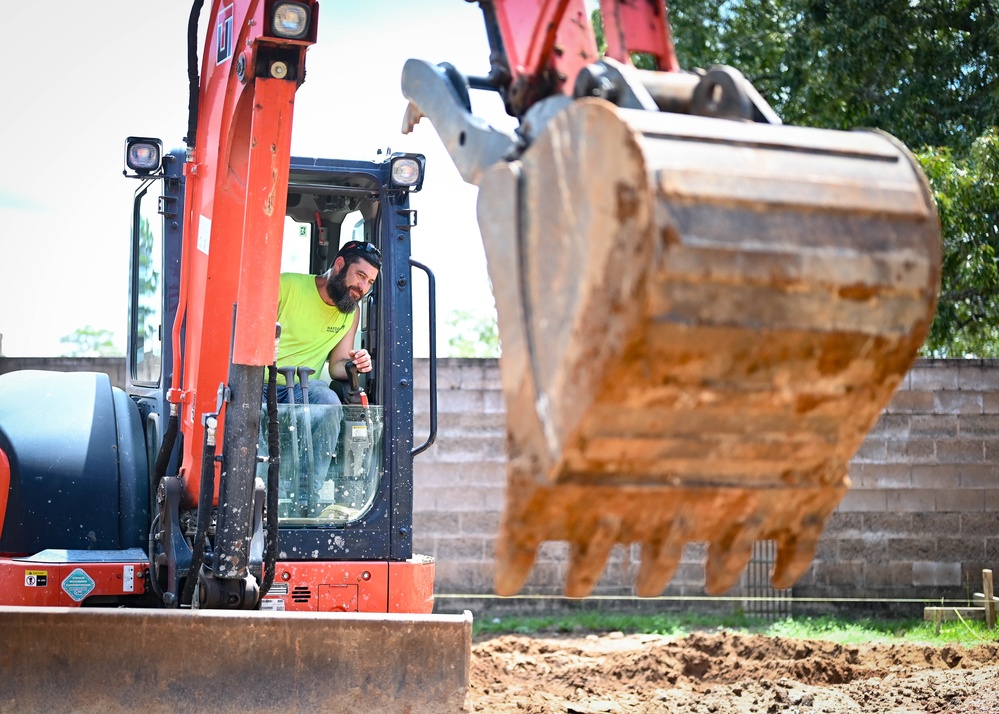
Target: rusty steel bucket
x=700 y=321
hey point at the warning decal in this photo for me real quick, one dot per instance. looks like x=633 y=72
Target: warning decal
x=78 y=584
x=36 y=578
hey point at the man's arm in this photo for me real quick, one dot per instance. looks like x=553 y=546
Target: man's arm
x=344 y=352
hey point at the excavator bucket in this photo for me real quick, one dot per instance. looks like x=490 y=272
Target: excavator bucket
x=84 y=660
x=701 y=319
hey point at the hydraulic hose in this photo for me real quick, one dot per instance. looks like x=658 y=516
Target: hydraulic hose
x=273 y=471
x=205 y=497
x=192 y=74
x=165 y=452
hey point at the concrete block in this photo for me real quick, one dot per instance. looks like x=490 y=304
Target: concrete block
x=991 y=451
x=886 y=476
x=933 y=426
x=873 y=500
x=891 y=426
x=887 y=574
x=871 y=449
x=935 y=378
x=912 y=549
x=961 y=501
x=960 y=451
x=843 y=524
x=948 y=402
x=424 y=499
x=960 y=550
x=460 y=548
x=472 y=500
x=865 y=549
x=980 y=475
x=992 y=499
x=840 y=574
x=978 y=375
x=493 y=402
x=936 y=476
x=936 y=574
x=911 y=501
x=887 y=524
x=464 y=577
x=992 y=550
x=827 y=550
x=911 y=451
x=480 y=523
x=909 y=402
x=465 y=474
x=978 y=426
x=470 y=448
x=982 y=524
x=990 y=403
x=934 y=523
x=460 y=400
x=433 y=524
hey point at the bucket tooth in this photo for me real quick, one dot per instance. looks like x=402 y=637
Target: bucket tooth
x=729 y=556
x=795 y=552
x=514 y=559
x=588 y=556
x=660 y=559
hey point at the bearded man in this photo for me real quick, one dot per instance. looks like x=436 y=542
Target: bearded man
x=318 y=316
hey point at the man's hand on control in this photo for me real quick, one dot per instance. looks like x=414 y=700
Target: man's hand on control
x=361 y=359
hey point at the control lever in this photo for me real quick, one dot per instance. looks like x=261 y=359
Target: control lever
x=355 y=395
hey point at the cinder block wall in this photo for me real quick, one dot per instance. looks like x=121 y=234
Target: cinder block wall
x=920 y=522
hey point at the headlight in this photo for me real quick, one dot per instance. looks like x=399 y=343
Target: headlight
x=143 y=155
x=407 y=171
x=290 y=20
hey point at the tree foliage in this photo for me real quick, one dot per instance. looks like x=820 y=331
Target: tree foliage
x=967 y=197
x=473 y=334
x=90 y=342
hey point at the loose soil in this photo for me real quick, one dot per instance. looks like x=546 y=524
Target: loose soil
x=728 y=673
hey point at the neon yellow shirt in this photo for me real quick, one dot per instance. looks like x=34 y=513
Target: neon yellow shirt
x=310 y=328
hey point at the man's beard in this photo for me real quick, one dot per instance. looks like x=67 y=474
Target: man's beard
x=339 y=292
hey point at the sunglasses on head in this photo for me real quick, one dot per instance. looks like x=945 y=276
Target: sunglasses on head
x=365 y=249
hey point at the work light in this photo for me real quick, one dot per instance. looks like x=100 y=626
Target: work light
x=143 y=155
x=290 y=20
x=407 y=172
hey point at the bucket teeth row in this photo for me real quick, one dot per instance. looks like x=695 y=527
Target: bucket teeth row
x=661 y=521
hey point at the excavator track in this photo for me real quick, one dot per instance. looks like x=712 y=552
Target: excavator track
x=701 y=319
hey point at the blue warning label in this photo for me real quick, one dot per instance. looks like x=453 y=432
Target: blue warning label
x=78 y=584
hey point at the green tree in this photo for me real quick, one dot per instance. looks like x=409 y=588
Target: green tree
x=90 y=342
x=473 y=334
x=966 y=190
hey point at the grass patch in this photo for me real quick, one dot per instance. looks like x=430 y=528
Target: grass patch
x=835 y=629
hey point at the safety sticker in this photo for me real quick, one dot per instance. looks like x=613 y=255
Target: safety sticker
x=358 y=431
x=78 y=585
x=36 y=578
x=128 y=579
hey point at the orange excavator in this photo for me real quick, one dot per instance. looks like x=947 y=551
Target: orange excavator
x=702 y=312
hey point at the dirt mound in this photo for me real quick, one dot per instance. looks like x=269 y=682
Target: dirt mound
x=726 y=673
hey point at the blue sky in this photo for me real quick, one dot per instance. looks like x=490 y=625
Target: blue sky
x=119 y=69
